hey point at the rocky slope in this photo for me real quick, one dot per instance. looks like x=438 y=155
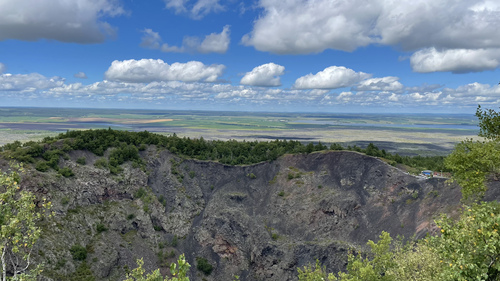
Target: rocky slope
x=260 y=222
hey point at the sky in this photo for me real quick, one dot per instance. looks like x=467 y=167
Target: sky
x=358 y=56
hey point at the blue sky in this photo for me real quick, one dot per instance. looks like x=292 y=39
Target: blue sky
x=439 y=56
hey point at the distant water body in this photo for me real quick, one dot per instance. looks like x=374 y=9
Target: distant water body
x=422 y=126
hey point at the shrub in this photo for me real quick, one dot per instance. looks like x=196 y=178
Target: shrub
x=78 y=252
x=162 y=200
x=81 y=160
x=203 y=265
x=281 y=193
x=101 y=228
x=101 y=163
x=66 y=172
x=65 y=200
x=415 y=195
x=252 y=176
x=140 y=193
x=42 y=166
x=174 y=241
x=192 y=174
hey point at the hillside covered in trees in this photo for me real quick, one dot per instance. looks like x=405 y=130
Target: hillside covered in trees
x=127 y=144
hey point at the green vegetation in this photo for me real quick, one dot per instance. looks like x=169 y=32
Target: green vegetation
x=81 y=160
x=19 y=232
x=66 y=172
x=78 y=252
x=203 y=265
x=100 y=227
x=140 y=193
x=82 y=273
x=473 y=161
x=178 y=272
x=101 y=163
x=125 y=145
x=174 y=241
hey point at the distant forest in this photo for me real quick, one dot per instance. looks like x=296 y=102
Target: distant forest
x=128 y=144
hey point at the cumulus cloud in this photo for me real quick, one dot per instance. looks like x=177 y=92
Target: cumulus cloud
x=28 y=82
x=153 y=81
x=455 y=28
x=80 y=75
x=332 y=77
x=62 y=20
x=216 y=42
x=2 y=68
x=148 y=70
x=389 y=83
x=212 y=43
x=150 y=39
x=266 y=75
x=299 y=26
x=196 y=9
x=456 y=60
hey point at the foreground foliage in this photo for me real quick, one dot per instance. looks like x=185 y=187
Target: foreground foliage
x=18 y=230
x=473 y=161
x=178 y=272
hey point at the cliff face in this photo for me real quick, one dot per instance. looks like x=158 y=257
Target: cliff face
x=260 y=222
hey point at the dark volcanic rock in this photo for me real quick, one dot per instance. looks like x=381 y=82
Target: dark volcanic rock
x=260 y=222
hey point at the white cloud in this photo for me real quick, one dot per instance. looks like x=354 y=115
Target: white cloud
x=80 y=75
x=332 y=77
x=148 y=70
x=216 y=42
x=266 y=75
x=2 y=68
x=389 y=83
x=462 y=28
x=344 y=97
x=299 y=26
x=456 y=60
x=28 y=82
x=150 y=39
x=197 y=9
x=75 y=21
x=155 y=82
x=177 y=5
x=212 y=43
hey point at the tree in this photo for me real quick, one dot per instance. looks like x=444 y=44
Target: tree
x=178 y=274
x=472 y=161
x=317 y=273
x=18 y=230
x=489 y=123
x=470 y=247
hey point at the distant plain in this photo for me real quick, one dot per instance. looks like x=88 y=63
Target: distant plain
x=407 y=134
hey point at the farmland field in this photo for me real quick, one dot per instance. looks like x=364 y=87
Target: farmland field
x=426 y=134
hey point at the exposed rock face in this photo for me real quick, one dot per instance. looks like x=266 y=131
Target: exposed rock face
x=260 y=222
